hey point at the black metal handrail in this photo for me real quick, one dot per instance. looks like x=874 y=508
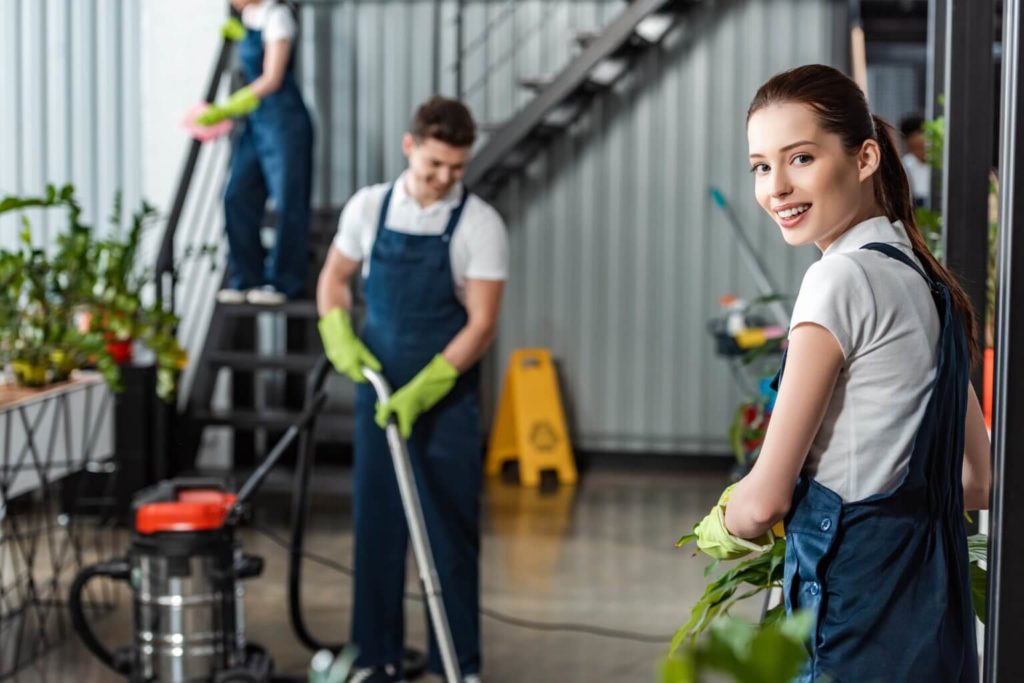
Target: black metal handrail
x=165 y=257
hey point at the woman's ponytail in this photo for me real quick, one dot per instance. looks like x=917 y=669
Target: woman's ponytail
x=892 y=191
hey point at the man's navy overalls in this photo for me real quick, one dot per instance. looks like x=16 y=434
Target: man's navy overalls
x=412 y=312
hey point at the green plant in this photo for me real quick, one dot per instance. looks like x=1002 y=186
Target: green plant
x=64 y=307
x=744 y=652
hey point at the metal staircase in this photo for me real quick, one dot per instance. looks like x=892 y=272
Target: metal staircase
x=605 y=57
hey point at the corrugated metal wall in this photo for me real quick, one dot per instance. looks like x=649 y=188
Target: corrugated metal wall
x=71 y=91
x=619 y=255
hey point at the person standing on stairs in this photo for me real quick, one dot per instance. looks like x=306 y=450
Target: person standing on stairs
x=433 y=258
x=272 y=156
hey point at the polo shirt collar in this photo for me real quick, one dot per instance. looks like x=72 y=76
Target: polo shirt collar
x=877 y=229
x=447 y=202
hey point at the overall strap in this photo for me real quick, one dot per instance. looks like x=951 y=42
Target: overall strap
x=382 y=220
x=899 y=255
x=455 y=216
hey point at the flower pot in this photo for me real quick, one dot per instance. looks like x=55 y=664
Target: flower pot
x=120 y=350
x=29 y=374
x=988 y=368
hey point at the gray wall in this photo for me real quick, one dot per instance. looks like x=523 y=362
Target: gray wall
x=70 y=84
x=619 y=255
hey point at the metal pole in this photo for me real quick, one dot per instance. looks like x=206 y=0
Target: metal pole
x=418 y=534
x=936 y=75
x=1005 y=622
x=460 y=7
x=968 y=151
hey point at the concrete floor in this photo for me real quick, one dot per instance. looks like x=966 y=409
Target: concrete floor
x=601 y=554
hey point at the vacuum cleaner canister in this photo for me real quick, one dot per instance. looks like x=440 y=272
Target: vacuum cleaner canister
x=185 y=569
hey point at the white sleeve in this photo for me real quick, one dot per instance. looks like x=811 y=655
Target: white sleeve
x=352 y=225
x=280 y=24
x=836 y=295
x=487 y=246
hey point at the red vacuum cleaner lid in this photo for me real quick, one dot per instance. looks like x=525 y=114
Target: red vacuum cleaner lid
x=195 y=510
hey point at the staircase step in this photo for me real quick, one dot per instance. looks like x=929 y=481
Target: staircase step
x=269 y=419
x=653 y=28
x=299 y=308
x=535 y=83
x=241 y=360
x=584 y=37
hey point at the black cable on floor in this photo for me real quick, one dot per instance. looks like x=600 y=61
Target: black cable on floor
x=567 y=627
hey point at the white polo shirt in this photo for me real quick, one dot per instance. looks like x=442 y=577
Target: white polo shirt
x=479 y=245
x=274 y=19
x=884 y=318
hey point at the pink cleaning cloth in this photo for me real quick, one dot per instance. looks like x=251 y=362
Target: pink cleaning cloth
x=204 y=133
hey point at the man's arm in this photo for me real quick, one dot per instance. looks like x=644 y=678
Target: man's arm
x=333 y=288
x=483 y=304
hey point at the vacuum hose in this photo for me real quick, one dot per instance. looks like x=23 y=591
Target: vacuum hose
x=415 y=662
x=119 y=569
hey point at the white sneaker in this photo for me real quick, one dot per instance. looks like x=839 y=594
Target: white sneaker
x=231 y=296
x=376 y=674
x=265 y=296
x=471 y=678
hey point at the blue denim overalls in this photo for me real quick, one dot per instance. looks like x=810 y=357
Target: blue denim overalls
x=887 y=576
x=412 y=312
x=272 y=155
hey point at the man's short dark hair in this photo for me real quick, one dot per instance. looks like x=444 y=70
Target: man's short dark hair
x=446 y=120
x=913 y=123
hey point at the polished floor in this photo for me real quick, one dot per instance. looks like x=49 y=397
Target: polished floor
x=600 y=554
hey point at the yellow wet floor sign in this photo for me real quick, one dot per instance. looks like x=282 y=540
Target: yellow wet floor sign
x=530 y=425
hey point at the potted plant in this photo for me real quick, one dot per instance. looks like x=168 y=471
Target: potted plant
x=83 y=302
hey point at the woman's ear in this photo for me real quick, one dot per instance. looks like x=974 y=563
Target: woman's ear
x=869 y=158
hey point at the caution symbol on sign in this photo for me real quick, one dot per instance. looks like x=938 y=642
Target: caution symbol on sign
x=530 y=425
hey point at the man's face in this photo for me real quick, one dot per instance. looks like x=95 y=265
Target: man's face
x=918 y=145
x=435 y=166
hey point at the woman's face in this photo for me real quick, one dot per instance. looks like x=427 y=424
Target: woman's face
x=242 y=4
x=811 y=186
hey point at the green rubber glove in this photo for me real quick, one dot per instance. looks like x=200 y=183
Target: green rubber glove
x=429 y=386
x=714 y=538
x=233 y=30
x=345 y=350
x=241 y=102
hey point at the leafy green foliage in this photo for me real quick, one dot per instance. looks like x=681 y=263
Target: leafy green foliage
x=747 y=653
x=61 y=309
x=741 y=581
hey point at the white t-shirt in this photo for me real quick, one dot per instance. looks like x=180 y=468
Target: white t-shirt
x=920 y=175
x=479 y=245
x=273 y=18
x=884 y=318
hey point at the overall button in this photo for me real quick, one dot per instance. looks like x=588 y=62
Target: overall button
x=826 y=524
x=813 y=588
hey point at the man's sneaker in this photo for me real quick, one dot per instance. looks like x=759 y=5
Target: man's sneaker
x=377 y=674
x=265 y=296
x=231 y=296
x=471 y=678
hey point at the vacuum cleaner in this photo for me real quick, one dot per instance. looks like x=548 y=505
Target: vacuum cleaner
x=186 y=569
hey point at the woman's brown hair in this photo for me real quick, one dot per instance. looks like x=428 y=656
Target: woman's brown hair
x=842 y=109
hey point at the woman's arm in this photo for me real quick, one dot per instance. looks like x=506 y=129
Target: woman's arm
x=977 y=471
x=275 y=62
x=762 y=497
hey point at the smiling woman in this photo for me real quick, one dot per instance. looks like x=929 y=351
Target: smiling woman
x=876 y=445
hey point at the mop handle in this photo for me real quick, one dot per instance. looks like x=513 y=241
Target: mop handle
x=418 y=533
